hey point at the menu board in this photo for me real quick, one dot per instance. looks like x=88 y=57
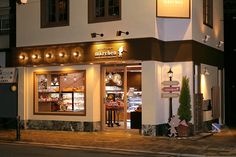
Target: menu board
x=8 y=75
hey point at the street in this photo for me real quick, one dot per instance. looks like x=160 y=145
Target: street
x=29 y=150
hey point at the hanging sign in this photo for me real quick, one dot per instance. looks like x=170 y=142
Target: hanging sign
x=169 y=95
x=170 y=83
x=8 y=75
x=171 y=89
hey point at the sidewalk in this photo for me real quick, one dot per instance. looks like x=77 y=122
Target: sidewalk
x=219 y=144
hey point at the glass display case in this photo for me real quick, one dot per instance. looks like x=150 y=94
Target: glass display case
x=60 y=92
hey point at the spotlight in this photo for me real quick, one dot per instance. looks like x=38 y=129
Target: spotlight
x=220 y=43
x=206 y=71
x=118 y=33
x=94 y=35
x=61 y=54
x=48 y=55
x=21 y=1
x=206 y=38
x=22 y=57
x=76 y=54
x=34 y=56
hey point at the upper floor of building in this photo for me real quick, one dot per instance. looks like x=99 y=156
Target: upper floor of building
x=4 y=23
x=48 y=22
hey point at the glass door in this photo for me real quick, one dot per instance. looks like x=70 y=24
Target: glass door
x=121 y=95
x=114 y=100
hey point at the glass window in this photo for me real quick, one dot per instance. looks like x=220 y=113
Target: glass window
x=54 y=13
x=4 y=24
x=208 y=12
x=59 y=92
x=104 y=10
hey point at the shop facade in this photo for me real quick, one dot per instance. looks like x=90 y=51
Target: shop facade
x=67 y=87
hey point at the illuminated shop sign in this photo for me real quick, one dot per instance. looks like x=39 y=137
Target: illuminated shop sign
x=173 y=8
x=7 y=75
x=110 y=52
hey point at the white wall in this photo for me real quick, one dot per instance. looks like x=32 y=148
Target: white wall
x=155 y=110
x=170 y=29
x=208 y=81
x=138 y=17
x=200 y=30
x=25 y=92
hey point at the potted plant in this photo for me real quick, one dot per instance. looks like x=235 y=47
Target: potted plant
x=184 y=110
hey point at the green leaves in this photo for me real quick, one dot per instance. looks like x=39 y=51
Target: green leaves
x=184 y=110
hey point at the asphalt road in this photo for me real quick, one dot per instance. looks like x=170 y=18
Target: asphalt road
x=29 y=150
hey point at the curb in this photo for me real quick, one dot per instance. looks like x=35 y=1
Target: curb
x=98 y=149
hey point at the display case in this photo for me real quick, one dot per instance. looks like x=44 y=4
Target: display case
x=58 y=92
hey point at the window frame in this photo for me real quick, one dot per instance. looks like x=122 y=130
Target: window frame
x=208 y=13
x=92 y=15
x=45 y=23
x=36 y=94
x=4 y=27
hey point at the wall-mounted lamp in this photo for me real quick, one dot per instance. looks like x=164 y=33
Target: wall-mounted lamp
x=61 y=54
x=118 y=33
x=205 y=72
x=21 y=1
x=206 y=38
x=48 y=55
x=76 y=54
x=22 y=57
x=220 y=43
x=94 y=35
x=34 y=56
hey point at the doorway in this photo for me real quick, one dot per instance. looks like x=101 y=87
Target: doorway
x=122 y=95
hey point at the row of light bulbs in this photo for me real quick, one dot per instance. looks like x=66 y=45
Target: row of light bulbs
x=48 y=55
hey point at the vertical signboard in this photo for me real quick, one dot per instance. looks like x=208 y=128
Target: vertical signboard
x=173 y=8
x=8 y=75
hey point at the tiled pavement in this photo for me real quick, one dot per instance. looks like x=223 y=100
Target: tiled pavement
x=218 y=144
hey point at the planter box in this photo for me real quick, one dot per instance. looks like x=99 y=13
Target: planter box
x=185 y=131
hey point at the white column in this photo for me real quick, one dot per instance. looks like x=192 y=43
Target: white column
x=152 y=108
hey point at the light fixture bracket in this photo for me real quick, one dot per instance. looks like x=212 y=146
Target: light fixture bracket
x=118 y=33
x=94 y=35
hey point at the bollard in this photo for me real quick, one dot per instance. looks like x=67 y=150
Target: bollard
x=18 y=128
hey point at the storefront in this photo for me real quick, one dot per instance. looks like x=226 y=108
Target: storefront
x=97 y=86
